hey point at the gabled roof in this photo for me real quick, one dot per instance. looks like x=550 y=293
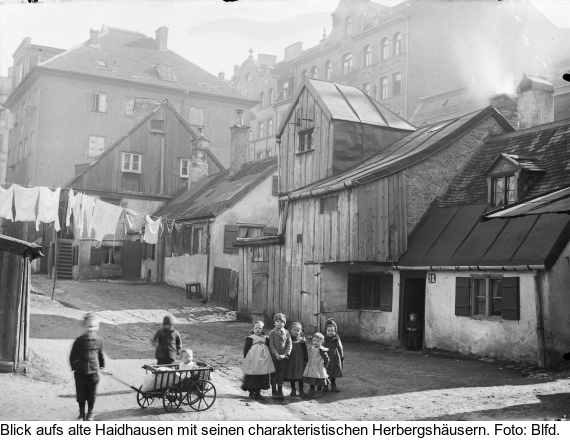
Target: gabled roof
x=527 y=163
x=556 y=202
x=217 y=193
x=347 y=103
x=20 y=247
x=408 y=151
x=132 y=56
x=547 y=143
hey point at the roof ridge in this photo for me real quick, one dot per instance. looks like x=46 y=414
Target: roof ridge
x=123 y=30
x=533 y=129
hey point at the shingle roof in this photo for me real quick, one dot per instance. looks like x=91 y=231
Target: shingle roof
x=547 y=143
x=132 y=56
x=218 y=192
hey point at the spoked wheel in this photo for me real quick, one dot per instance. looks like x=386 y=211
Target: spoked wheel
x=202 y=395
x=171 y=399
x=144 y=401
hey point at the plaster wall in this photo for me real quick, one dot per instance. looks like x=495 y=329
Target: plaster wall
x=186 y=268
x=513 y=340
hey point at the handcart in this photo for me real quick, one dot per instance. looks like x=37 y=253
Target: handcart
x=177 y=387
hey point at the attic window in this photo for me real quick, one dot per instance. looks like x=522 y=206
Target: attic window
x=157 y=126
x=503 y=190
x=306 y=140
x=165 y=72
x=101 y=64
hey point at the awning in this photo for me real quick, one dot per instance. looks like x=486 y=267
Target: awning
x=20 y=247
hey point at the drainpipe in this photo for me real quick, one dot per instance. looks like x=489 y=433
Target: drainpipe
x=208 y=259
x=539 y=321
x=162 y=165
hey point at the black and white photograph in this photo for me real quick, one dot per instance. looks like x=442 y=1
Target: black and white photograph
x=285 y=210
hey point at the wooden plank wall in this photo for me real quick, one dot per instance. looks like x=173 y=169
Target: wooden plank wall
x=225 y=287
x=13 y=313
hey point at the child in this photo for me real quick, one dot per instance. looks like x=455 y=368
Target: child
x=414 y=327
x=336 y=354
x=257 y=365
x=167 y=342
x=280 y=346
x=315 y=373
x=186 y=356
x=297 y=360
x=86 y=361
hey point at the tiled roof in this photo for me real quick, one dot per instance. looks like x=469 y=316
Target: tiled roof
x=218 y=192
x=132 y=56
x=547 y=143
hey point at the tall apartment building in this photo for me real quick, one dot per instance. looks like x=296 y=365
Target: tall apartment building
x=5 y=90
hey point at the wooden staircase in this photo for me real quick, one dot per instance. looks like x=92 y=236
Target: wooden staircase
x=65 y=263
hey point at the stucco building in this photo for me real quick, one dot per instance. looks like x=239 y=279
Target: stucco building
x=5 y=90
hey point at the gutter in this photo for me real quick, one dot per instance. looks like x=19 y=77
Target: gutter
x=471 y=268
x=318 y=192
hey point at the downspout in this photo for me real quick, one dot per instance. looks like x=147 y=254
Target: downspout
x=539 y=321
x=208 y=259
x=162 y=165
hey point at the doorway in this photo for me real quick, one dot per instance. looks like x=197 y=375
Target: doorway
x=413 y=299
x=131 y=260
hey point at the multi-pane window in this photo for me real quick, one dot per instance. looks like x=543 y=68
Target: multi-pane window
x=370 y=291
x=185 y=167
x=487 y=297
x=385 y=48
x=270 y=95
x=397 y=44
x=131 y=163
x=270 y=127
x=328 y=204
x=328 y=70
x=503 y=190
x=348 y=26
x=130 y=106
x=261 y=130
x=285 y=90
x=384 y=88
x=99 y=103
x=262 y=100
x=165 y=72
x=306 y=140
x=197 y=240
x=367 y=55
x=196 y=116
x=396 y=83
x=366 y=88
x=96 y=145
x=347 y=63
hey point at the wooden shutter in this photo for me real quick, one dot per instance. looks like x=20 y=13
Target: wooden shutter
x=386 y=288
x=275 y=188
x=463 y=296
x=354 y=291
x=511 y=298
x=230 y=235
x=95 y=101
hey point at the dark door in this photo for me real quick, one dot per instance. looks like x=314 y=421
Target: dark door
x=131 y=260
x=414 y=300
x=260 y=278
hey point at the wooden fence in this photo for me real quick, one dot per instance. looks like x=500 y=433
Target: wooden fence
x=226 y=287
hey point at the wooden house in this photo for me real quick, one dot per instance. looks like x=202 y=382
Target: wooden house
x=349 y=198
x=15 y=259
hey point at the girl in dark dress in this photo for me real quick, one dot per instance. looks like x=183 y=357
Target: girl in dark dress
x=336 y=354
x=258 y=364
x=297 y=360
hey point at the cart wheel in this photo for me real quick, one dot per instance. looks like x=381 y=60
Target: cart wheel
x=202 y=395
x=143 y=400
x=171 y=399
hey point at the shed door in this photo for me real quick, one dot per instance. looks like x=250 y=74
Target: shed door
x=260 y=277
x=131 y=259
x=310 y=298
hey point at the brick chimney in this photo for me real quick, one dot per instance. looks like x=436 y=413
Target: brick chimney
x=162 y=38
x=198 y=168
x=506 y=105
x=222 y=75
x=93 y=37
x=239 y=143
x=293 y=51
x=536 y=101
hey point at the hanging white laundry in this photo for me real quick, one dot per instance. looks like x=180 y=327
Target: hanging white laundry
x=6 y=202
x=134 y=220
x=25 y=201
x=78 y=212
x=151 y=230
x=70 y=202
x=105 y=219
x=48 y=208
x=88 y=205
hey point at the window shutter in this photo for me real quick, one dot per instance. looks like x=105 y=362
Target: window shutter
x=463 y=296
x=94 y=101
x=511 y=301
x=275 y=188
x=386 y=287
x=205 y=239
x=354 y=291
x=230 y=236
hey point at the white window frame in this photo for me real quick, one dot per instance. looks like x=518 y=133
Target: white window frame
x=130 y=106
x=261 y=130
x=99 y=140
x=367 y=55
x=128 y=157
x=188 y=161
x=270 y=127
x=384 y=90
x=100 y=101
x=488 y=313
x=196 y=116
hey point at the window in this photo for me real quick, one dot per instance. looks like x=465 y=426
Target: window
x=101 y=64
x=185 y=167
x=262 y=99
x=131 y=163
x=249 y=231
x=270 y=127
x=396 y=83
x=19 y=71
x=196 y=116
x=306 y=140
x=487 y=297
x=314 y=72
x=259 y=156
x=285 y=90
x=397 y=43
x=271 y=98
x=96 y=145
x=348 y=26
x=99 y=102
x=304 y=74
x=370 y=291
x=261 y=130
x=130 y=106
x=329 y=204
x=248 y=77
x=328 y=70
x=347 y=63
x=250 y=135
x=197 y=240
x=366 y=88
x=385 y=48
x=165 y=72
x=384 y=87
x=367 y=55
x=503 y=190
x=157 y=126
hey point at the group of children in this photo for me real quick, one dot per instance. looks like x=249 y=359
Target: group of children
x=286 y=356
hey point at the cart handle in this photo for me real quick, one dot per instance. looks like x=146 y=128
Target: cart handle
x=106 y=373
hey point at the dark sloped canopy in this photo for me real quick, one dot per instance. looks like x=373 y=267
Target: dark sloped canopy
x=20 y=247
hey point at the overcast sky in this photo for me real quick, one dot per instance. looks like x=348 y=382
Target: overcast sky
x=211 y=33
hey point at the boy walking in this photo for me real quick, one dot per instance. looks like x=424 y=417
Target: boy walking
x=167 y=342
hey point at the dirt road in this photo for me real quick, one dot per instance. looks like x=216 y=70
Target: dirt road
x=380 y=383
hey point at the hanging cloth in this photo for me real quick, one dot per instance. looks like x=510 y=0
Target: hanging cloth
x=25 y=201
x=88 y=205
x=105 y=219
x=78 y=212
x=177 y=238
x=6 y=202
x=168 y=239
x=48 y=208
x=70 y=202
x=187 y=239
x=151 y=230
x=134 y=221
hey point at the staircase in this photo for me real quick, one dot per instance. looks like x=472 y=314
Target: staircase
x=65 y=263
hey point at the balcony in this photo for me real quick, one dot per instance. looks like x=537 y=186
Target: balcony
x=345 y=75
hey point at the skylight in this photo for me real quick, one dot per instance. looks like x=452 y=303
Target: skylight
x=102 y=64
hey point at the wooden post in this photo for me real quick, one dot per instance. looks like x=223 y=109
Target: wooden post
x=57 y=244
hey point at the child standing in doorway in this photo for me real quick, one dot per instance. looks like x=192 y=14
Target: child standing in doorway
x=167 y=342
x=258 y=364
x=86 y=361
x=336 y=354
x=280 y=345
x=315 y=373
x=413 y=326
x=297 y=360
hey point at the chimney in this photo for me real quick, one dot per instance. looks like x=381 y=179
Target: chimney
x=506 y=105
x=198 y=165
x=536 y=101
x=222 y=75
x=93 y=37
x=10 y=70
x=293 y=51
x=239 y=143
x=236 y=71
x=162 y=38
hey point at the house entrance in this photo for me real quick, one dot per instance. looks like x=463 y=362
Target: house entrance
x=131 y=260
x=413 y=295
x=259 y=290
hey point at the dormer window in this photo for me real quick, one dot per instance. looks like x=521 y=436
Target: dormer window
x=503 y=190
x=165 y=72
x=101 y=64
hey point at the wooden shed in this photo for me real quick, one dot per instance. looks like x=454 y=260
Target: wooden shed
x=15 y=258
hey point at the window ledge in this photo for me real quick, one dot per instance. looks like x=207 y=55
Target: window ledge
x=374 y=310
x=487 y=318
x=132 y=172
x=303 y=152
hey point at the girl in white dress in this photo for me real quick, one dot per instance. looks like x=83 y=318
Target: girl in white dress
x=258 y=364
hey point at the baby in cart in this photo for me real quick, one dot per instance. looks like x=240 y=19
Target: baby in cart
x=186 y=363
